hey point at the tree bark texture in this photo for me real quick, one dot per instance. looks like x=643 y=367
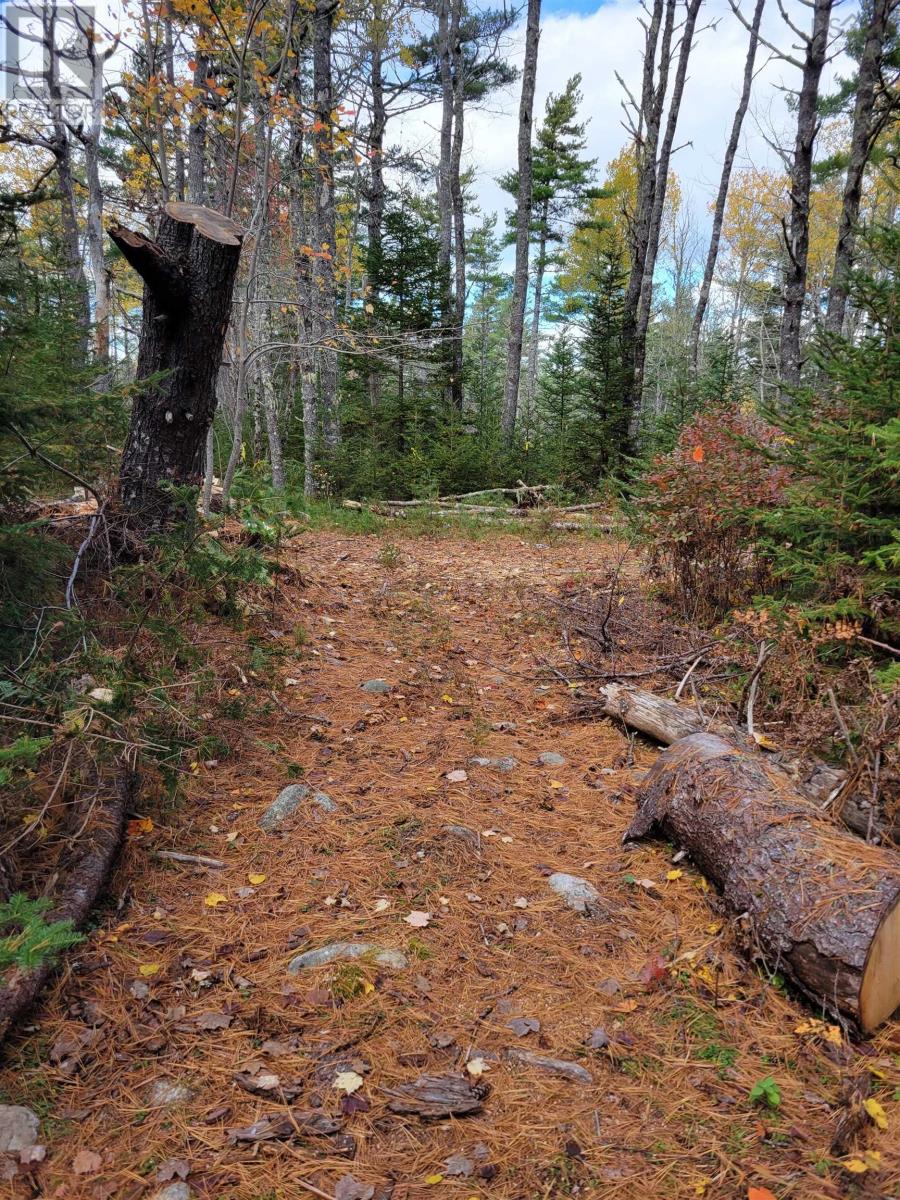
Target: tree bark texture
x=722 y=196
x=667 y=721
x=326 y=223
x=797 y=229
x=459 y=217
x=188 y=275
x=865 y=128
x=523 y=227
x=818 y=906
x=375 y=189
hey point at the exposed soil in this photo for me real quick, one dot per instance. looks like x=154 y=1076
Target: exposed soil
x=460 y=630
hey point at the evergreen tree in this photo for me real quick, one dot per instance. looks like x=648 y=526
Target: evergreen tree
x=559 y=396
x=604 y=427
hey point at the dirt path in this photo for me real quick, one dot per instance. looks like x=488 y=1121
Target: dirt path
x=138 y=1048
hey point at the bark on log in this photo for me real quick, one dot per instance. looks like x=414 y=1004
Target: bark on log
x=188 y=274
x=822 y=908
x=97 y=851
x=828 y=787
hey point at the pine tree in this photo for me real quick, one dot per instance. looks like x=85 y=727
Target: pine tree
x=559 y=396
x=604 y=428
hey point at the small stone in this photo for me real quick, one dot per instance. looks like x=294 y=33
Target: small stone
x=504 y=726
x=164 y=1093
x=577 y=893
x=463 y=833
x=503 y=765
x=289 y=800
x=377 y=687
x=346 y=952
x=19 y=1127
x=173 y=1191
x=456 y=777
x=549 y=758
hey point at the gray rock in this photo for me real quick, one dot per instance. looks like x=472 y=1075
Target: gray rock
x=463 y=833
x=173 y=1191
x=553 y=1066
x=578 y=894
x=347 y=951
x=289 y=800
x=504 y=726
x=164 y=1093
x=19 y=1127
x=377 y=687
x=549 y=758
x=503 y=765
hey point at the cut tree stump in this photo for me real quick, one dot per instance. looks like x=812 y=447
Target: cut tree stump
x=188 y=273
x=822 y=907
x=829 y=787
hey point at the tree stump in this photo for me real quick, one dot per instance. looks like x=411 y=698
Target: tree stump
x=823 y=907
x=188 y=274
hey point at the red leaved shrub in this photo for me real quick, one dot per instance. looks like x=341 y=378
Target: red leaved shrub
x=699 y=511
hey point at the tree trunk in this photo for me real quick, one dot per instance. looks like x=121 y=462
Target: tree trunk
x=534 y=342
x=653 y=95
x=523 y=227
x=722 y=196
x=667 y=721
x=797 y=232
x=196 y=138
x=188 y=275
x=459 y=228
x=326 y=223
x=819 y=906
x=91 y=142
x=303 y=270
x=865 y=128
x=375 y=192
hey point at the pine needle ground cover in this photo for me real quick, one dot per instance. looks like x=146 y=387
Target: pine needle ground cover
x=680 y=1070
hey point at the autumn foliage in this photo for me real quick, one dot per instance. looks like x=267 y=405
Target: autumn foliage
x=699 y=510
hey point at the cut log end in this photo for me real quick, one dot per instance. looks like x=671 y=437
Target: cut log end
x=212 y=224
x=879 y=992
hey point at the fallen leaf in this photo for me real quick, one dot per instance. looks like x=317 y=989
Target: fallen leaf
x=213 y=1020
x=698 y=455
x=520 y=902
x=348 y=1188
x=626 y=1006
x=347 y=1081
x=381 y=904
x=148 y=969
x=432 y=1179
x=869 y=1160
x=174 y=1168
x=476 y=1067
x=876 y=1112
x=86 y=1162
x=256 y=879
x=760 y=1193
x=522 y=1026
x=418 y=920
x=676 y=874
x=214 y=899
x=32 y=1154
x=140 y=825
x=104 y=695
x=654 y=972
x=459 y=1165
x=456 y=776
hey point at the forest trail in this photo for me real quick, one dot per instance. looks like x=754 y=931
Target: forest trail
x=178 y=1021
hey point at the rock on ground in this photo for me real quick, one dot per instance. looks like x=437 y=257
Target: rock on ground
x=550 y=758
x=578 y=894
x=347 y=951
x=166 y=1092
x=503 y=765
x=19 y=1127
x=173 y=1191
x=377 y=687
x=289 y=800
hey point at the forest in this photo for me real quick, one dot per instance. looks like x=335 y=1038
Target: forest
x=449 y=599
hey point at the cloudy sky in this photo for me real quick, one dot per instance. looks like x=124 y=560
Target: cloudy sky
x=598 y=40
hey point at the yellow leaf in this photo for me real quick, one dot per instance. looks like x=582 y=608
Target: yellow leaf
x=140 y=825
x=348 y=1082
x=876 y=1112
x=148 y=969
x=765 y=742
x=714 y=926
x=214 y=899
x=256 y=878
x=869 y=1160
x=700 y=1187
x=476 y=1067
x=626 y=1006
x=676 y=874
x=430 y=1179
x=833 y=1034
x=367 y=987
x=447 y=699
x=554 y=783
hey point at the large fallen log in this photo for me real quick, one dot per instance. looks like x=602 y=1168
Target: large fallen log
x=829 y=787
x=820 y=906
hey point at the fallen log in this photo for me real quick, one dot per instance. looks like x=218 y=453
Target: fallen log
x=666 y=721
x=821 y=907
x=95 y=854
